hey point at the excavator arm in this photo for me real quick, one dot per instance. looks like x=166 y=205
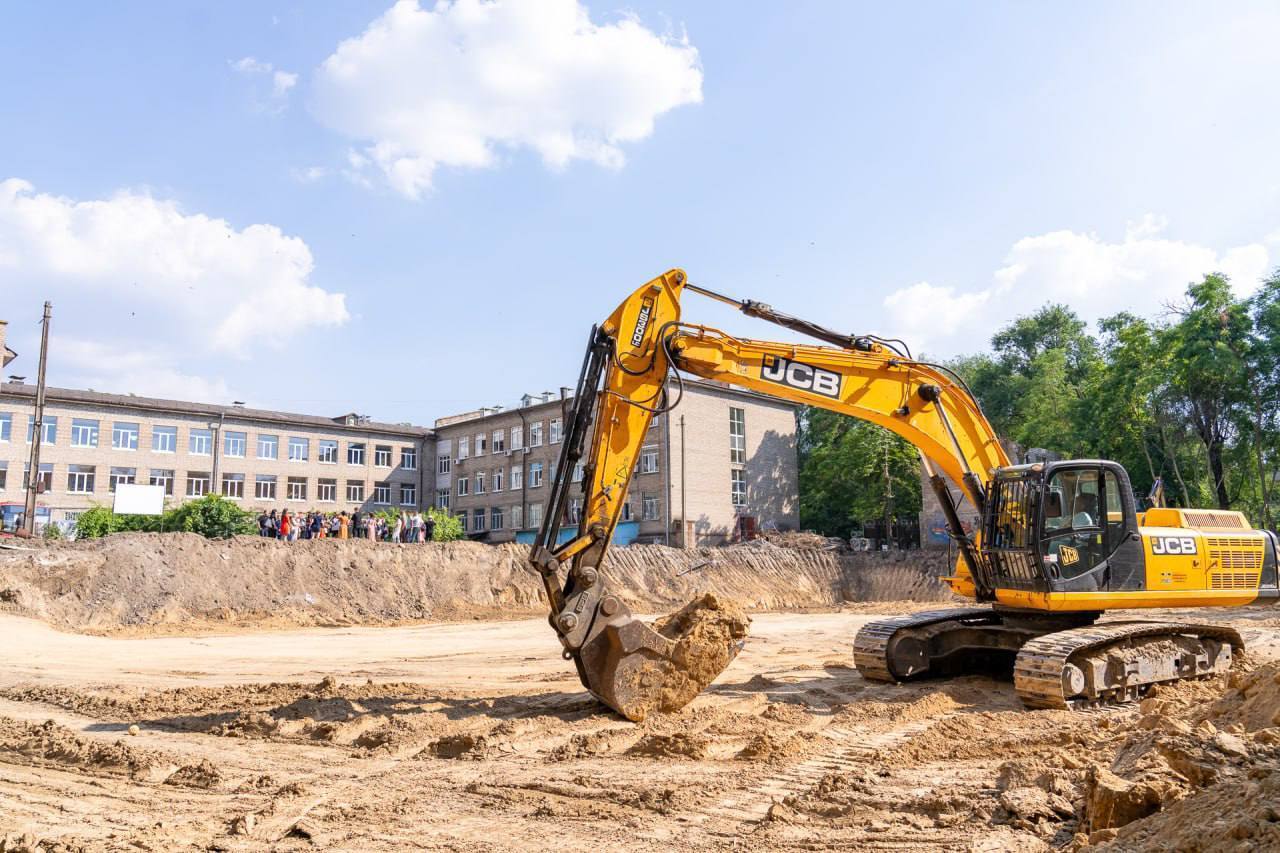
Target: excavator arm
x=624 y=384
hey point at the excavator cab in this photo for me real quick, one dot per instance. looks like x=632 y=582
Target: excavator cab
x=1068 y=526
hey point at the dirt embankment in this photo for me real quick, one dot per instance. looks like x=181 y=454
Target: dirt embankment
x=148 y=579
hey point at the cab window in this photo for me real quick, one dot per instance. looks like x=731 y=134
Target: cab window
x=1115 y=509
x=1074 y=501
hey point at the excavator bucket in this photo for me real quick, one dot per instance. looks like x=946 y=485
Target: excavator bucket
x=637 y=669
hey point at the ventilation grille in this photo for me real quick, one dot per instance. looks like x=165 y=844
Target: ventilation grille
x=1233 y=580
x=1230 y=552
x=1207 y=518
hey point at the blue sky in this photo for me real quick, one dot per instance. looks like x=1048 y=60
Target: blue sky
x=200 y=188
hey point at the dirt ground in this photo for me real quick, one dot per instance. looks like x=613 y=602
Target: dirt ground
x=146 y=583
x=476 y=736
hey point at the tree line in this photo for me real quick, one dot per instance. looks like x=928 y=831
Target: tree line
x=1190 y=398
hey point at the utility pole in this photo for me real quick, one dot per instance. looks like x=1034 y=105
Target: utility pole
x=888 y=497
x=216 y=429
x=37 y=434
x=684 y=519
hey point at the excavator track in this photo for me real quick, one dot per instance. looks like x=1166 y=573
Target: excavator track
x=1118 y=662
x=871 y=650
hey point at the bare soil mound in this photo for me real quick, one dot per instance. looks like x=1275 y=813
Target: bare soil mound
x=178 y=581
x=49 y=744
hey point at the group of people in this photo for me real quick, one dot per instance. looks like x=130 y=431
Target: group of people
x=408 y=527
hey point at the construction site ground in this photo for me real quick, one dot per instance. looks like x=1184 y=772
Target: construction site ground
x=476 y=735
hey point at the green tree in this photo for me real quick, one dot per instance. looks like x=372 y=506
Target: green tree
x=1208 y=375
x=1030 y=386
x=1053 y=327
x=1263 y=355
x=842 y=482
x=1047 y=403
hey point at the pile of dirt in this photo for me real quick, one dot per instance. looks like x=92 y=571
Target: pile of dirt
x=805 y=539
x=178 y=581
x=676 y=745
x=1194 y=772
x=51 y=744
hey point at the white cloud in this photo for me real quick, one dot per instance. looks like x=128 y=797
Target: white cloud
x=249 y=65
x=282 y=82
x=453 y=85
x=311 y=174
x=1143 y=273
x=277 y=97
x=124 y=369
x=146 y=277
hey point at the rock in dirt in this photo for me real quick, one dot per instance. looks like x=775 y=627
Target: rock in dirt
x=473 y=747
x=1114 y=802
x=1234 y=815
x=201 y=775
x=1035 y=804
x=773 y=747
x=678 y=745
x=1231 y=745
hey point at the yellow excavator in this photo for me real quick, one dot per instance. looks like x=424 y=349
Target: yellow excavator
x=1054 y=547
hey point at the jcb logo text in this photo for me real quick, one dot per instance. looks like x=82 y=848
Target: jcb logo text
x=1173 y=545
x=797 y=374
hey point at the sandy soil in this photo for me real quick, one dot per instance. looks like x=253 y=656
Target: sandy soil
x=142 y=584
x=477 y=736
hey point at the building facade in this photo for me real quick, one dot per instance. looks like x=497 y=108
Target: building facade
x=262 y=459
x=716 y=468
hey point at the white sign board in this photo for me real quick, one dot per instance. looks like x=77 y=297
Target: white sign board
x=133 y=499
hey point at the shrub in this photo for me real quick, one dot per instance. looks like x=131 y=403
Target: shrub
x=96 y=522
x=212 y=516
x=448 y=527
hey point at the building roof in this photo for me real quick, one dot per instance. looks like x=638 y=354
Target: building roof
x=241 y=413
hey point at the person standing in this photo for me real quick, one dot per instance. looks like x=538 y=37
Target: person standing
x=286 y=526
x=429 y=528
x=398 y=529
x=344 y=528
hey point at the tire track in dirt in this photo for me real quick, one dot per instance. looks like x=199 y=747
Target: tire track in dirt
x=851 y=751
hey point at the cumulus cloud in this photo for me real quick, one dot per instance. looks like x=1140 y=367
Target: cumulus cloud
x=311 y=174
x=121 y=368
x=454 y=85
x=272 y=99
x=1143 y=273
x=175 y=285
